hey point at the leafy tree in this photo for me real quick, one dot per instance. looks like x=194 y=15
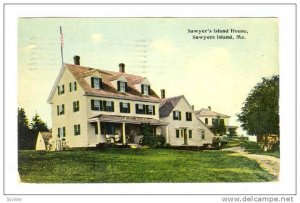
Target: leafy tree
x=148 y=137
x=260 y=113
x=37 y=125
x=25 y=138
x=232 y=132
x=218 y=128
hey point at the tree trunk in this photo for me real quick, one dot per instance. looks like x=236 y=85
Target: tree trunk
x=266 y=143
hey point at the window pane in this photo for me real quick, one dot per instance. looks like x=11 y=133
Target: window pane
x=190 y=133
x=97 y=105
x=146 y=89
x=122 y=86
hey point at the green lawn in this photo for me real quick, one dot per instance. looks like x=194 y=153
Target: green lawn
x=138 y=166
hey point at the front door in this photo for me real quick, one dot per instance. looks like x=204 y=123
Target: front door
x=184 y=135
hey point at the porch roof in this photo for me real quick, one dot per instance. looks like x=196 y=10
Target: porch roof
x=126 y=119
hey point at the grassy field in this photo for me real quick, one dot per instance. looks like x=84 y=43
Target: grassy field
x=137 y=166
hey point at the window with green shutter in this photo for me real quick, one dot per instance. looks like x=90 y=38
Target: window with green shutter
x=176 y=115
x=75 y=106
x=177 y=133
x=188 y=116
x=124 y=107
x=76 y=129
x=190 y=134
x=96 y=82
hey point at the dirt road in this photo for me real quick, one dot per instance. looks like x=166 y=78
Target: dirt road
x=269 y=163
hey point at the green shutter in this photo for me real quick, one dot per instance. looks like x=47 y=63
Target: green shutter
x=70 y=86
x=92 y=104
x=149 y=89
x=74 y=129
x=187 y=116
x=126 y=87
x=118 y=83
x=121 y=107
x=63 y=89
x=75 y=86
x=174 y=115
x=153 y=109
x=64 y=131
x=146 y=109
x=104 y=105
x=63 y=108
x=58 y=132
x=100 y=82
x=112 y=106
x=142 y=86
x=179 y=115
x=128 y=108
x=92 y=82
x=136 y=108
x=57 y=109
x=58 y=90
x=101 y=105
x=74 y=106
x=77 y=105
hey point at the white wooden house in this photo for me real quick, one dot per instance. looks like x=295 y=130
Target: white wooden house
x=208 y=116
x=91 y=106
x=184 y=127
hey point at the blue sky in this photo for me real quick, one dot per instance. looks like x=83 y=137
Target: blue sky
x=216 y=73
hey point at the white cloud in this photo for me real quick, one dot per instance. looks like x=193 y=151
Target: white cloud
x=96 y=38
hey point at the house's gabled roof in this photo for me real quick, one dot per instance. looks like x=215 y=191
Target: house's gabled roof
x=209 y=113
x=167 y=105
x=81 y=72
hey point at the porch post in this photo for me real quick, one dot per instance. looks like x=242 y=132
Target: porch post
x=167 y=133
x=99 y=129
x=123 y=133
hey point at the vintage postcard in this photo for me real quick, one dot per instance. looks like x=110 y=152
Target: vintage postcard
x=150 y=91
x=149 y=102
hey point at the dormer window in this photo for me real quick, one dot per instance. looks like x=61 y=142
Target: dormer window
x=122 y=86
x=145 y=89
x=96 y=82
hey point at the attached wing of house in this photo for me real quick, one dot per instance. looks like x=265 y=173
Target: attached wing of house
x=184 y=128
x=208 y=116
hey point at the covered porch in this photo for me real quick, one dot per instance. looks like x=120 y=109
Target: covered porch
x=120 y=129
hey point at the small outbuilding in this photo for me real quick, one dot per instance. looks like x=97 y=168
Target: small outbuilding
x=42 y=142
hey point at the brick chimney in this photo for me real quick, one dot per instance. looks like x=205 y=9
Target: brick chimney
x=76 y=60
x=162 y=93
x=122 y=68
